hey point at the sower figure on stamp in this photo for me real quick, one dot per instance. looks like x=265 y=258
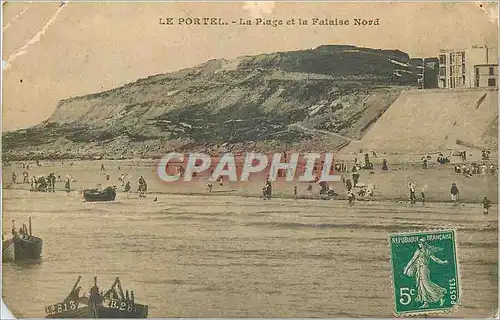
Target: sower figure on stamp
x=418 y=267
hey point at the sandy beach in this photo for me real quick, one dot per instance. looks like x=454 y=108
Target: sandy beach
x=391 y=185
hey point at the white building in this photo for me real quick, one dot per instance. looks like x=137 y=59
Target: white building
x=468 y=68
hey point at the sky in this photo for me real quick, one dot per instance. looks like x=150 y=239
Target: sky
x=53 y=52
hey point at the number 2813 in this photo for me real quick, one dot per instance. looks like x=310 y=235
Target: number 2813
x=61 y=307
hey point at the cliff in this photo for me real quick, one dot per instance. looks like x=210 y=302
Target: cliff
x=303 y=100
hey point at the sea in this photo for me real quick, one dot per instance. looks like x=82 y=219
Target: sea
x=230 y=256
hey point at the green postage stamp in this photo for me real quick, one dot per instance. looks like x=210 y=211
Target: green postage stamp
x=425 y=271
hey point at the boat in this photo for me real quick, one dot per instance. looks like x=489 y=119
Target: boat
x=22 y=246
x=112 y=304
x=107 y=194
x=8 y=250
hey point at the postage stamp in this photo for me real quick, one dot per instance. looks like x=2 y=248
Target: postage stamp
x=425 y=271
x=249 y=159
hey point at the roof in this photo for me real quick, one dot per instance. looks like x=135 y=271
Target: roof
x=486 y=65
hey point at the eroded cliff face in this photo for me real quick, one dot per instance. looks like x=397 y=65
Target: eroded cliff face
x=302 y=100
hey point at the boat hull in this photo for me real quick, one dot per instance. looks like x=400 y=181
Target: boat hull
x=8 y=252
x=27 y=248
x=102 y=312
x=92 y=196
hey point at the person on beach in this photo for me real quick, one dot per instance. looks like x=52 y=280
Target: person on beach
x=492 y=169
x=486 y=205
x=102 y=167
x=419 y=268
x=295 y=193
x=384 y=165
x=143 y=187
x=348 y=185
x=53 y=181
x=14 y=177
x=209 y=185
x=355 y=178
x=413 y=197
x=463 y=169
x=267 y=190
x=220 y=181
x=323 y=187
x=33 y=182
x=454 y=192
x=127 y=186
x=484 y=168
x=49 y=181
x=422 y=196
x=425 y=164
x=351 y=197
x=67 y=185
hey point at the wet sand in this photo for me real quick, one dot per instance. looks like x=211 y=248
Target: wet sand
x=203 y=256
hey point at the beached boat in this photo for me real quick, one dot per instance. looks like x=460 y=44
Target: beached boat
x=22 y=246
x=112 y=304
x=108 y=194
x=8 y=250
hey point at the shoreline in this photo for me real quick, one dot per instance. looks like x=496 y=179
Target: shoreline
x=238 y=193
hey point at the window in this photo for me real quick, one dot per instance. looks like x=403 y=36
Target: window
x=442 y=71
x=442 y=59
x=492 y=82
x=477 y=72
x=476 y=83
x=463 y=57
x=452 y=56
x=492 y=71
x=463 y=79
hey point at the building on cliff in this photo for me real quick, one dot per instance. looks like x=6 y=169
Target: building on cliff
x=428 y=72
x=475 y=67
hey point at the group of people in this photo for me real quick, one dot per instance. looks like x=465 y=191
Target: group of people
x=474 y=169
x=454 y=195
x=127 y=186
x=42 y=183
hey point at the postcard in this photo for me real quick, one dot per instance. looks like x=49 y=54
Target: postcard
x=250 y=159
